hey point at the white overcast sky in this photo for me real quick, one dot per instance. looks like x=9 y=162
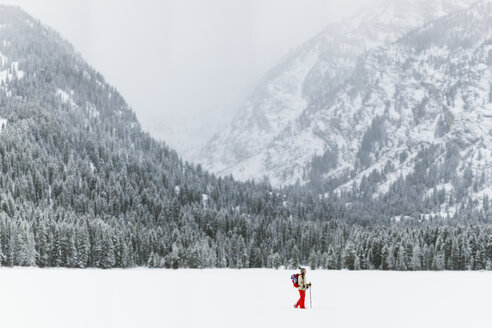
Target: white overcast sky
x=185 y=66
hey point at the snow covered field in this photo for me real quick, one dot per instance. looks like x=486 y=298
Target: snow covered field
x=241 y=298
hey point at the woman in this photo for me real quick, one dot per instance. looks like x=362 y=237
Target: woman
x=303 y=286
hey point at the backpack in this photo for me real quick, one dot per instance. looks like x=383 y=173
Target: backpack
x=294 y=279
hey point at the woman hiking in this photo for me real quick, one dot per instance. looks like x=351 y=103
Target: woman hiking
x=303 y=286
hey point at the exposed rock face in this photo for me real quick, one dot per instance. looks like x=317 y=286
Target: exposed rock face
x=303 y=106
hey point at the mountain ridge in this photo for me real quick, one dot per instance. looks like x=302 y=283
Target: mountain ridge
x=250 y=148
x=428 y=127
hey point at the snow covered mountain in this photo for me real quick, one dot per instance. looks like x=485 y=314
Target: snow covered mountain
x=278 y=130
x=416 y=117
x=82 y=185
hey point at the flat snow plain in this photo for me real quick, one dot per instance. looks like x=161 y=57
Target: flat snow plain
x=33 y=297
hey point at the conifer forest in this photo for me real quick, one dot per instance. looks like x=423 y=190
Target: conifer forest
x=82 y=185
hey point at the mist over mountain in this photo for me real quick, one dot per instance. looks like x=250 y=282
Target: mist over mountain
x=269 y=135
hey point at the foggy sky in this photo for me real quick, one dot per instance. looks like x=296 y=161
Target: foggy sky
x=185 y=66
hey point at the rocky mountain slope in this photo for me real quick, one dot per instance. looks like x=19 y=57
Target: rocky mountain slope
x=269 y=135
x=416 y=118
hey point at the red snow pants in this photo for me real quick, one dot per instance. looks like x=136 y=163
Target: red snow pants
x=300 y=302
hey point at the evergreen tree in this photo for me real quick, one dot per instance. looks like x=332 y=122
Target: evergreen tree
x=313 y=260
x=349 y=256
x=294 y=262
x=416 y=260
x=401 y=265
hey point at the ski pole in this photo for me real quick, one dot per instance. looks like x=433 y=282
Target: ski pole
x=310 y=300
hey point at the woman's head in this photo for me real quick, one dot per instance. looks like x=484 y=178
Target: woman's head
x=303 y=270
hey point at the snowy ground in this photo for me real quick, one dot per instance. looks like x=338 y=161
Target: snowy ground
x=241 y=298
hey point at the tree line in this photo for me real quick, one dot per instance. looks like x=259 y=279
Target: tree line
x=237 y=241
